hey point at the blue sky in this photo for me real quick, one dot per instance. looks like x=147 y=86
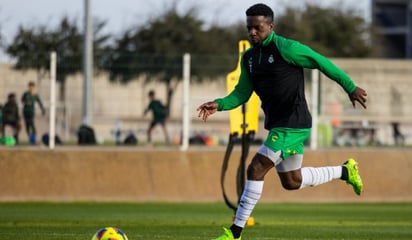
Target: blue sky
x=121 y=14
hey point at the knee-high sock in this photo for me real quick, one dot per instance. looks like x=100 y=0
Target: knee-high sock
x=315 y=176
x=250 y=196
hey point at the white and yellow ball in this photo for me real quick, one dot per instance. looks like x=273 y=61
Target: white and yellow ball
x=109 y=233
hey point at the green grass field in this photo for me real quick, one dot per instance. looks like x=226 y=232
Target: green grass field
x=165 y=221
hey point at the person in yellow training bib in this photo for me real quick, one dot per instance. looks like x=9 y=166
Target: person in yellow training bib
x=273 y=69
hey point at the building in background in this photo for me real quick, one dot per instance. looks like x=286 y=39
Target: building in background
x=394 y=21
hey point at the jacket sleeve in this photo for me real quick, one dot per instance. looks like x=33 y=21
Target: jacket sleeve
x=40 y=103
x=301 y=55
x=240 y=94
x=17 y=113
x=23 y=98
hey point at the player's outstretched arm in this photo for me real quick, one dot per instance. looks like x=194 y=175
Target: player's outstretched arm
x=359 y=95
x=207 y=109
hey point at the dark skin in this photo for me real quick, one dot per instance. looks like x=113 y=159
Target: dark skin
x=259 y=28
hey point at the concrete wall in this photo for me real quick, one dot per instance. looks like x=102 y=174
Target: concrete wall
x=386 y=81
x=160 y=174
x=110 y=100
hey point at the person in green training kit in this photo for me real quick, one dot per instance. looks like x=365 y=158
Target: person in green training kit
x=11 y=117
x=159 y=116
x=29 y=100
x=273 y=68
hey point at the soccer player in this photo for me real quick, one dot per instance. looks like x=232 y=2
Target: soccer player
x=11 y=117
x=29 y=100
x=159 y=116
x=273 y=68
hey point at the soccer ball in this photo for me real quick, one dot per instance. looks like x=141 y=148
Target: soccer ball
x=109 y=233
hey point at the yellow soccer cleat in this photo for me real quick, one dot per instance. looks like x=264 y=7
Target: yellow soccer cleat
x=227 y=235
x=354 y=178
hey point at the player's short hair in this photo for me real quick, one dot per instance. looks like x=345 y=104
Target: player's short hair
x=32 y=84
x=11 y=96
x=260 y=9
x=151 y=93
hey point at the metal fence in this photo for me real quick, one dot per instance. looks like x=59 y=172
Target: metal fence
x=386 y=81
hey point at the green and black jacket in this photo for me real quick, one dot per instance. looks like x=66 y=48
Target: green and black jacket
x=274 y=70
x=29 y=100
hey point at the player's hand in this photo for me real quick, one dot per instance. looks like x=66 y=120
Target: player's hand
x=207 y=109
x=359 y=95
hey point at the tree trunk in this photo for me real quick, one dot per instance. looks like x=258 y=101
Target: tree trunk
x=171 y=87
x=62 y=92
x=169 y=96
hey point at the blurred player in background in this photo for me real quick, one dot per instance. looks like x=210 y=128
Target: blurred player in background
x=160 y=113
x=29 y=100
x=273 y=68
x=11 y=117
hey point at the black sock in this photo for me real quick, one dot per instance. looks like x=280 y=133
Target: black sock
x=344 y=173
x=236 y=231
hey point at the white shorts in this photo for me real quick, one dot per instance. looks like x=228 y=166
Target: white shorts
x=293 y=162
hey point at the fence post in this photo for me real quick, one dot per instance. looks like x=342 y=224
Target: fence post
x=185 y=107
x=52 y=114
x=314 y=110
x=88 y=64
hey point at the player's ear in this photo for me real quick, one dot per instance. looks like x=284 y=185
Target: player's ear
x=272 y=26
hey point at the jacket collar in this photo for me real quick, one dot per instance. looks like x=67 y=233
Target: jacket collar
x=269 y=39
